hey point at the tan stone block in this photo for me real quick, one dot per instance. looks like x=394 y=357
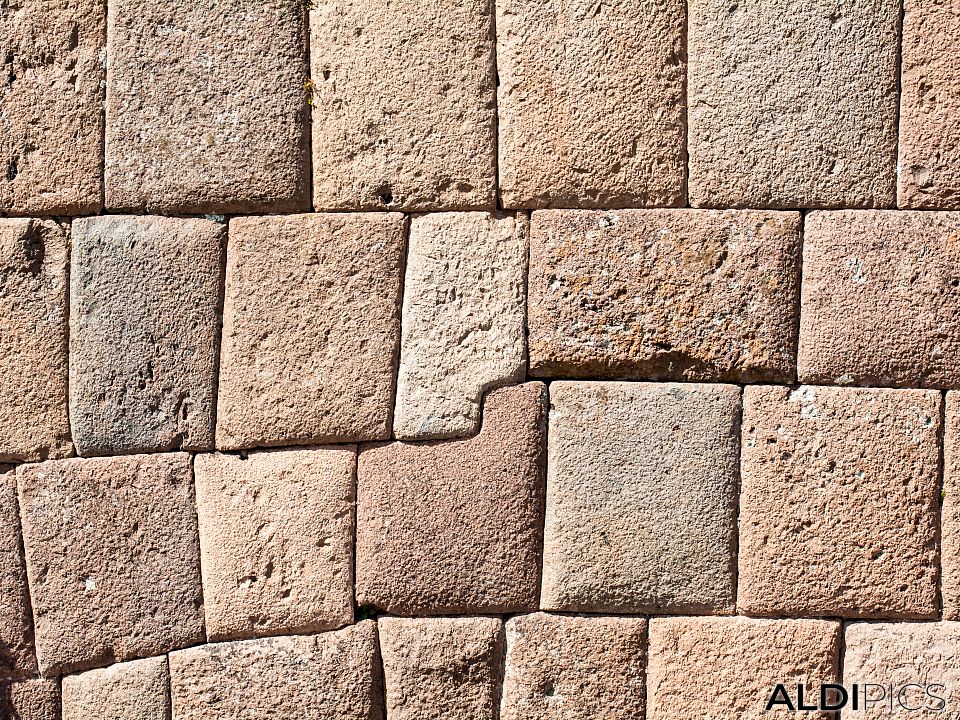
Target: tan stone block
x=929 y=175
x=112 y=558
x=562 y=667
x=276 y=541
x=793 y=104
x=950 y=509
x=641 y=498
x=51 y=132
x=33 y=341
x=311 y=329
x=206 y=106
x=17 y=656
x=726 y=668
x=135 y=690
x=442 y=667
x=312 y=677
x=404 y=105
x=880 y=300
x=30 y=700
x=664 y=294
x=144 y=322
x=464 y=312
x=455 y=527
x=899 y=654
x=591 y=103
x=838 y=502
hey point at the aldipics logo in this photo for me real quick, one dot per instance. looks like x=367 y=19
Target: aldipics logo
x=867 y=696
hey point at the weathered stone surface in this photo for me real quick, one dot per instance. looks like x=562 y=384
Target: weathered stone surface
x=51 y=125
x=17 y=657
x=793 y=104
x=464 y=311
x=455 y=527
x=316 y=677
x=727 y=667
x=899 y=654
x=276 y=541
x=574 y=668
x=838 y=502
x=404 y=105
x=135 y=690
x=33 y=341
x=641 y=498
x=929 y=164
x=206 y=110
x=311 y=329
x=30 y=700
x=112 y=557
x=880 y=299
x=950 y=510
x=144 y=307
x=664 y=294
x=591 y=103
x=442 y=667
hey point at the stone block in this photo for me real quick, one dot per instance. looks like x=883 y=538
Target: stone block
x=17 y=657
x=135 y=690
x=35 y=699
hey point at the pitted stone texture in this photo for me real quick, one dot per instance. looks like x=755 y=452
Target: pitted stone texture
x=455 y=527
x=112 y=557
x=311 y=329
x=591 y=103
x=17 y=657
x=899 y=654
x=838 y=502
x=574 y=668
x=664 y=294
x=793 y=104
x=404 y=105
x=930 y=106
x=950 y=510
x=51 y=127
x=30 y=700
x=442 y=667
x=464 y=303
x=315 y=677
x=641 y=498
x=276 y=541
x=33 y=341
x=206 y=107
x=726 y=668
x=880 y=299
x=144 y=324
x=135 y=690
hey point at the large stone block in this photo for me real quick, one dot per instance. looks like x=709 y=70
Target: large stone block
x=311 y=329
x=641 y=498
x=144 y=324
x=17 y=657
x=455 y=527
x=135 y=690
x=112 y=558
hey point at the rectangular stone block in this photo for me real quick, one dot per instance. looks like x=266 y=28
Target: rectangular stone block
x=112 y=558
x=455 y=527
x=206 y=108
x=35 y=699
x=442 y=667
x=664 y=294
x=562 y=667
x=839 y=502
x=929 y=138
x=276 y=541
x=913 y=658
x=793 y=104
x=307 y=677
x=950 y=510
x=880 y=302
x=135 y=690
x=641 y=498
x=590 y=103
x=33 y=340
x=17 y=657
x=464 y=312
x=404 y=105
x=311 y=329
x=727 y=668
x=51 y=135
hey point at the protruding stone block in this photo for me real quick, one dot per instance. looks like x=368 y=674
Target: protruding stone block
x=135 y=690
